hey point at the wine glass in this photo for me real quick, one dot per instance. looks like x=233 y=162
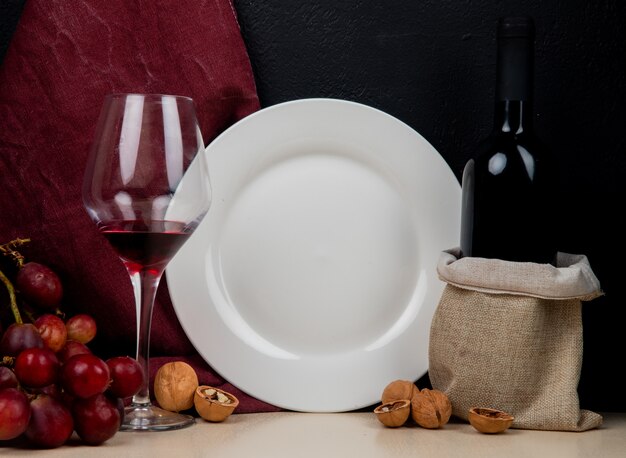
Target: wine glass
x=146 y=187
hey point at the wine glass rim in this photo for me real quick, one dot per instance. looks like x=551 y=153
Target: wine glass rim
x=119 y=95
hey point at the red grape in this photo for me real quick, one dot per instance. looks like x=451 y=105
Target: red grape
x=126 y=375
x=72 y=348
x=39 y=285
x=19 y=337
x=97 y=419
x=52 y=330
x=7 y=378
x=56 y=385
x=85 y=375
x=36 y=367
x=81 y=328
x=51 y=423
x=15 y=413
x=119 y=404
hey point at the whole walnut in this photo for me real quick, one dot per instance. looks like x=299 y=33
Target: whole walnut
x=398 y=390
x=431 y=408
x=175 y=384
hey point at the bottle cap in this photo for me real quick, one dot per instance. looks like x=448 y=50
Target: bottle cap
x=516 y=27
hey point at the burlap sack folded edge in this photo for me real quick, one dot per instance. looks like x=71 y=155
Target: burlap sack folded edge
x=572 y=278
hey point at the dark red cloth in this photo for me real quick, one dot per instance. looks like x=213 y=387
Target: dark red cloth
x=63 y=58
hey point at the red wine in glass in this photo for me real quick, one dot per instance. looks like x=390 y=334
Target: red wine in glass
x=143 y=246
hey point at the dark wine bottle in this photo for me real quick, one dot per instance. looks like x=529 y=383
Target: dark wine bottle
x=509 y=185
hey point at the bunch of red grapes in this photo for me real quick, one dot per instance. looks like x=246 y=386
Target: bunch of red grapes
x=51 y=384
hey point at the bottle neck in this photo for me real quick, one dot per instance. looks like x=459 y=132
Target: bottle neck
x=514 y=77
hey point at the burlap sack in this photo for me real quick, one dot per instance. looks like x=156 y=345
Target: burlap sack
x=508 y=335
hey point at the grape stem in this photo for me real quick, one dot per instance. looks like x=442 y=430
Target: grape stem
x=8 y=249
x=11 y=290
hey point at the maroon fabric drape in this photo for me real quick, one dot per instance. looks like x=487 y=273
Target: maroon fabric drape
x=63 y=58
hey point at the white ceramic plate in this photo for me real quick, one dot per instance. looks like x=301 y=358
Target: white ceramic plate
x=311 y=282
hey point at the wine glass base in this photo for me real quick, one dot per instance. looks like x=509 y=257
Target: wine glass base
x=150 y=418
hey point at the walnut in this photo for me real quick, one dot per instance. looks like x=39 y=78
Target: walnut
x=214 y=404
x=394 y=413
x=490 y=421
x=398 y=390
x=174 y=386
x=430 y=408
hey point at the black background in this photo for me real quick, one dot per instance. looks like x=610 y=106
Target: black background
x=431 y=64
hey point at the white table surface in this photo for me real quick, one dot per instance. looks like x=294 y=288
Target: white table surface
x=353 y=435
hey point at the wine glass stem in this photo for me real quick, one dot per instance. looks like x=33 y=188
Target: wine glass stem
x=145 y=283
